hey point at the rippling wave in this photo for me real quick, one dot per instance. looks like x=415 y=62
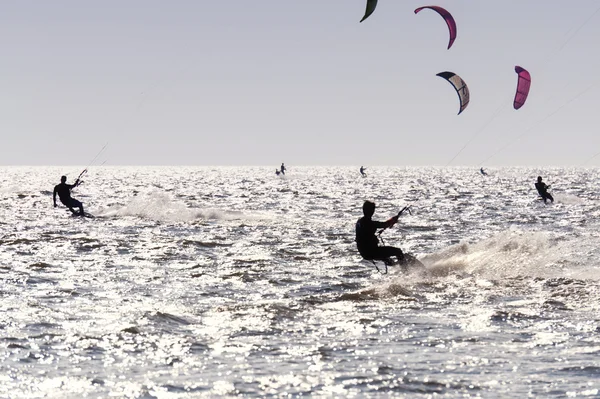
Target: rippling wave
x=226 y=281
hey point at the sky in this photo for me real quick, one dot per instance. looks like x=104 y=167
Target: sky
x=238 y=82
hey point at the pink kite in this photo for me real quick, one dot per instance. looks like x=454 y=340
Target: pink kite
x=523 y=84
x=447 y=17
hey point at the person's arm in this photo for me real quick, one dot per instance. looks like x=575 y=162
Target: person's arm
x=392 y=221
x=54 y=197
x=388 y=223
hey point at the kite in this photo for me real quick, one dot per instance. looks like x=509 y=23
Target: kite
x=460 y=86
x=523 y=84
x=447 y=17
x=371 y=4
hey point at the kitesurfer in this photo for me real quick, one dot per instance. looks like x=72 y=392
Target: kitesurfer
x=366 y=241
x=483 y=172
x=282 y=169
x=542 y=189
x=64 y=193
x=277 y=172
x=362 y=171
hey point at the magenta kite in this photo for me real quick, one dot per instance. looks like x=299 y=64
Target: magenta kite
x=447 y=17
x=523 y=85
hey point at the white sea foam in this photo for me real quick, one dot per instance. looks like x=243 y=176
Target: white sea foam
x=161 y=206
x=511 y=253
x=569 y=199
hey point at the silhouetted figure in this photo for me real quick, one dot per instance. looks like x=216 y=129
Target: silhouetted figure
x=542 y=189
x=277 y=172
x=362 y=171
x=366 y=241
x=483 y=172
x=282 y=169
x=64 y=193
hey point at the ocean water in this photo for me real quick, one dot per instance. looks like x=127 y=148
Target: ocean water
x=234 y=282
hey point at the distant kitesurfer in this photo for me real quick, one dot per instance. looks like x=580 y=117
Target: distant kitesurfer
x=483 y=172
x=542 y=189
x=64 y=193
x=277 y=172
x=282 y=169
x=366 y=241
x=362 y=171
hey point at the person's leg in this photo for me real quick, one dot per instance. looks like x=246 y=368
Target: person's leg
x=69 y=205
x=388 y=252
x=78 y=204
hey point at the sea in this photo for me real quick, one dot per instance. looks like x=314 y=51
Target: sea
x=208 y=282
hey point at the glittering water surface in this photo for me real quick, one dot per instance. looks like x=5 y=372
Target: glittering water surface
x=206 y=282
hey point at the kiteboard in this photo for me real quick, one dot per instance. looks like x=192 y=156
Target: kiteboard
x=85 y=214
x=541 y=201
x=411 y=264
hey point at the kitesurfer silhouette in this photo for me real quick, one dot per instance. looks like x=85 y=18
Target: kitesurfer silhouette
x=64 y=193
x=366 y=241
x=542 y=189
x=362 y=171
x=282 y=169
x=483 y=172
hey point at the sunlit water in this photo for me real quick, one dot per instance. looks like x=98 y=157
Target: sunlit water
x=206 y=282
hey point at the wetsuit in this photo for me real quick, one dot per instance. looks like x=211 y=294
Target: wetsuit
x=368 y=244
x=282 y=169
x=64 y=193
x=542 y=189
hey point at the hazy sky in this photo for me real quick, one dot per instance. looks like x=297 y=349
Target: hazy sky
x=240 y=82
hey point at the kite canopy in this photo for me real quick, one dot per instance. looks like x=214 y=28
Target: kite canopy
x=371 y=4
x=460 y=86
x=523 y=84
x=447 y=17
